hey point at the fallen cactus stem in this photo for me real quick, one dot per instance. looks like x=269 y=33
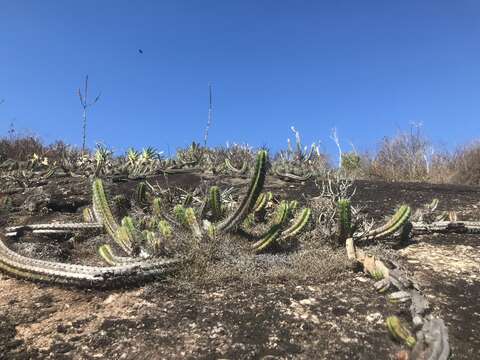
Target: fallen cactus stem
x=399 y=332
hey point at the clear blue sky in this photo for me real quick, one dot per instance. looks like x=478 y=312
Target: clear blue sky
x=366 y=67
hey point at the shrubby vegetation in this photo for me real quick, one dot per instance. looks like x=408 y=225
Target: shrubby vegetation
x=407 y=156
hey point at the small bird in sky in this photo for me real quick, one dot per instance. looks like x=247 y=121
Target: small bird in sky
x=140 y=51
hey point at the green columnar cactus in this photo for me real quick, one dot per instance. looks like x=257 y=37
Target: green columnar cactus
x=279 y=218
x=260 y=203
x=344 y=219
x=141 y=193
x=215 y=202
x=400 y=332
x=299 y=223
x=254 y=190
x=102 y=210
x=396 y=222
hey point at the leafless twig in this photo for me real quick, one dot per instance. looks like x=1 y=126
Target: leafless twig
x=85 y=104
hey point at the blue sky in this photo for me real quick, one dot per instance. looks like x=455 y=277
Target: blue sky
x=366 y=67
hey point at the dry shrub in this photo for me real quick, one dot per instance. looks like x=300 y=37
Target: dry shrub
x=230 y=259
x=22 y=148
x=404 y=157
x=465 y=165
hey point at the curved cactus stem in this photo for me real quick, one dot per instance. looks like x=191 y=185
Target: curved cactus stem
x=274 y=232
x=101 y=209
x=247 y=203
x=81 y=275
x=232 y=168
x=215 y=202
x=395 y=223
x=211 y=230
x=292 y=177
x=105 y=252
x=260 y=203
x=52 y=228
x=272 y=235
x=299 y=223
x=399 y=331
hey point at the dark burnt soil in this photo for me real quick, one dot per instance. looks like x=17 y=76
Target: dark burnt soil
x=338 y=316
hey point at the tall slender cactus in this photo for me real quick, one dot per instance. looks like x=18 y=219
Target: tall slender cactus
x=248 y=202
x=344 y=219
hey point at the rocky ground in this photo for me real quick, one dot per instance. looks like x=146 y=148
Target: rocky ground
x=336 y=315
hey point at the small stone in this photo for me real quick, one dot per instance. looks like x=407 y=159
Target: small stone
x=374 y=317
